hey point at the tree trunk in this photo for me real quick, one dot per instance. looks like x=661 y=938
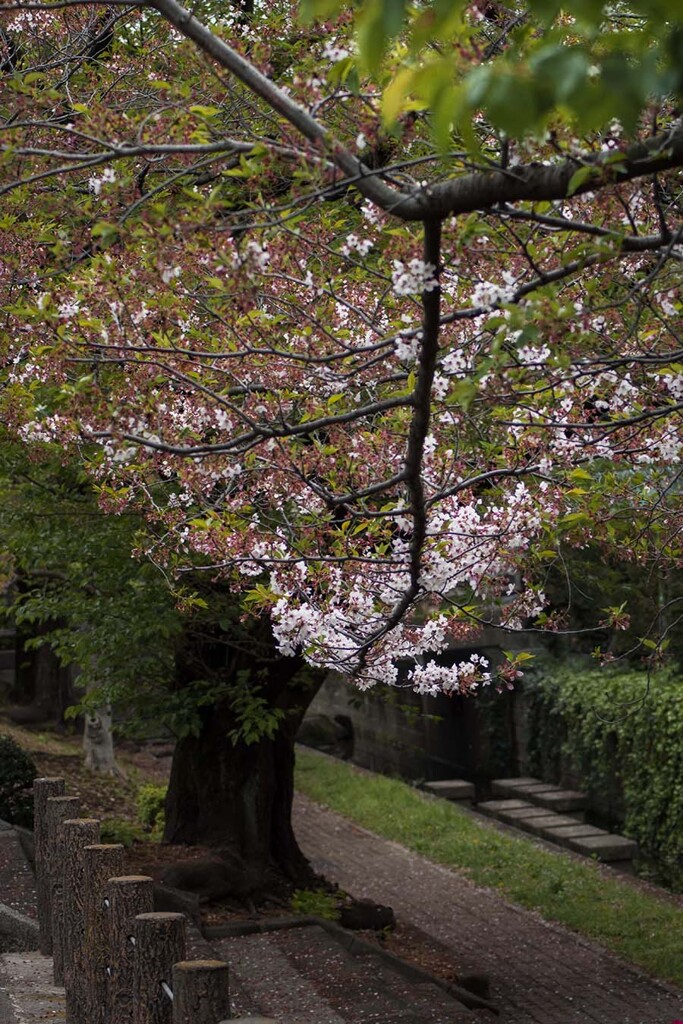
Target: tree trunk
x=43 y=688
x=38 y=677
x=98 y=743
x=237 y=797
x=98 y=740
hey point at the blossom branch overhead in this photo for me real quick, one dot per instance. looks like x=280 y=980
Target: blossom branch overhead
x=382 y=407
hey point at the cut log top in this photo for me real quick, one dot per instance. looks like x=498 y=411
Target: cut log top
x=126 y=879
x=160 y=915
x=200 y=965
x=103 y=846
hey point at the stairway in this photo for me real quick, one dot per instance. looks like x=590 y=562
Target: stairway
x=549 y=812
x=329 y=981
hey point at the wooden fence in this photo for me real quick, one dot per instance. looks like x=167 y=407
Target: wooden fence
x=119 y=962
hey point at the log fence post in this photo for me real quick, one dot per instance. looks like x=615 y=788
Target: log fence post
x=120 y=962
x=100 y=863
x=78 y=833
x=159 y=943
x=43 y=789
x=128 y=896
x=201 y=993
x=58 y=810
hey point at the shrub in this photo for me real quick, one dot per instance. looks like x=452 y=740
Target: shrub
x=150 y=807
x=621 y=732
x=118 y=830
x=17 y=772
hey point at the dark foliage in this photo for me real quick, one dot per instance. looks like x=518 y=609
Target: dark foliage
x=17 y=772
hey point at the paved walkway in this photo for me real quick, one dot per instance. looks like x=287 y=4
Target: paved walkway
x=540 y=972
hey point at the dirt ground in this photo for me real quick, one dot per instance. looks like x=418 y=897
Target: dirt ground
x=108 y=798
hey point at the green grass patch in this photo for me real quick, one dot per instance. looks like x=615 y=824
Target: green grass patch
x=314 y=901
x=641 y=927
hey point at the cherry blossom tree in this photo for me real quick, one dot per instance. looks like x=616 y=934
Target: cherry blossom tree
x=374 y=315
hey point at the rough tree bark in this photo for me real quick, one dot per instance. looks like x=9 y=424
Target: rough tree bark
x=237 y=797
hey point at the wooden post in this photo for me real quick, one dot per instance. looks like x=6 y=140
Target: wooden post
x=201 y=992
x=78 y=833
x=58 y=810
x=128 y=896
x=42 y=790
x=159 y=943
x=101 y=862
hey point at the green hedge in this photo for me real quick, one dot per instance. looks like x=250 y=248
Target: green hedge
x=621 y=732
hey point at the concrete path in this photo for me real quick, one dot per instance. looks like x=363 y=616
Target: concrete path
x=541 y=973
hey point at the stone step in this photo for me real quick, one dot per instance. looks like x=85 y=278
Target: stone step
x=305 y=976
x=451 y=789
x=510 y=787
x=562 y=829
x=545 y=823
x=563 y=834
x=608 y=847
x=553 y=798
x=498 y=808
x=560 y=800
x=518 y=815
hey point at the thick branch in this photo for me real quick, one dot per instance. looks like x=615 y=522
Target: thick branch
x=260 y=432
x=419 y=428
x=478 y=190
x=422 y=398
x=542 y=183
x=277 y=100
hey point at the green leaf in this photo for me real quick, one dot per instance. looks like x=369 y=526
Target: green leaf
x=106 y=232
x=204 y=111
x=395 y=95
x=312 y=9
x=580 y=177
x=377 y=25
x=562 y=68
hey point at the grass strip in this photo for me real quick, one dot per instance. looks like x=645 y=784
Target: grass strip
x=637 y=924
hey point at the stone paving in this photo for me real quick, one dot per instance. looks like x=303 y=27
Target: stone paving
x=540 y=973
x=304 y=976
x=17 y=885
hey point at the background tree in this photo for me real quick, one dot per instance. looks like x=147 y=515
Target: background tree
x=152 y=658
x=79 y=593
x=393 y=320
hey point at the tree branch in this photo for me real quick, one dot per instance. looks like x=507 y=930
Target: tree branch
x=419 y=428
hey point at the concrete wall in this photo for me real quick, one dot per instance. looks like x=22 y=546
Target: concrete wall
x=398 y=732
